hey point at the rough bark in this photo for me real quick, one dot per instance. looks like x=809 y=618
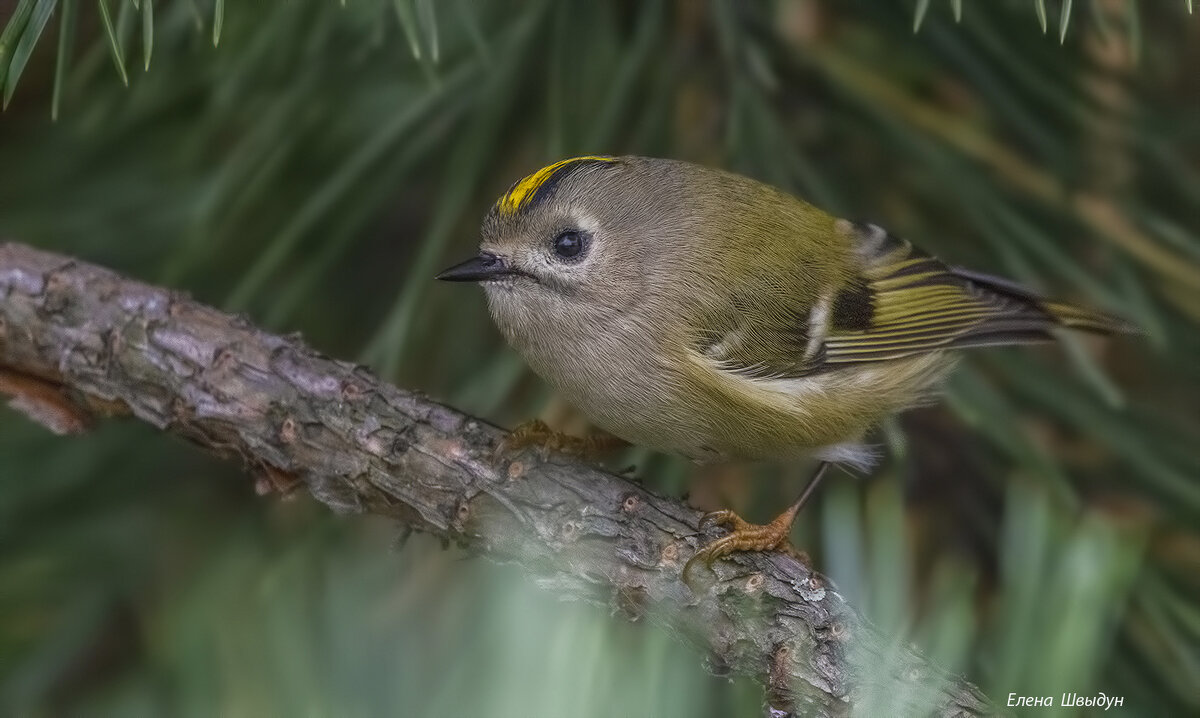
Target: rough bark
x=78 y=341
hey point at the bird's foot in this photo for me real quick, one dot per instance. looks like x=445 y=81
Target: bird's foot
x=745 y=536
x=537 y=435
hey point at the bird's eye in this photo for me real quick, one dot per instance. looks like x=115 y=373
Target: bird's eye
x=569 y=245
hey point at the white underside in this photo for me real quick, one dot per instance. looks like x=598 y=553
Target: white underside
x=857 y=456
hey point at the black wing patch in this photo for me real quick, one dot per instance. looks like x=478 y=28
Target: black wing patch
x=853 y=308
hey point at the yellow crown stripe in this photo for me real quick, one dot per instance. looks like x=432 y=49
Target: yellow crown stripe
x=524 y=190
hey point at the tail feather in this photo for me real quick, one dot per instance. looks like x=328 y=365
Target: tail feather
x=1058 y=313
x=1087 y=320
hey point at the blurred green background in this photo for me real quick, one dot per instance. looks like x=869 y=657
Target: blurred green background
x=1037 y=531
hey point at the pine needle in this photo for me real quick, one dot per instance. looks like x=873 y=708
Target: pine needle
x=428 y=20
x=147 y=31
x=114 y=44
x=66 y=37
x=408 y=23
x=218 y=21
x=12 y=35
x=919 y=15
x=29 y=37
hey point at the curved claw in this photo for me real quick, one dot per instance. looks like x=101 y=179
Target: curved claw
x=720 y=547
x=717 y=549
x=716 y=518
x=531 y=433
x=744 y=537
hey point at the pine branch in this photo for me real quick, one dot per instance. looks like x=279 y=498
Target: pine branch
x=78 y=342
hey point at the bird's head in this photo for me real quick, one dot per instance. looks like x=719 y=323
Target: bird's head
x=569 y=245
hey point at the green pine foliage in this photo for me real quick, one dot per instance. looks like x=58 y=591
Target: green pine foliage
x=312 y=164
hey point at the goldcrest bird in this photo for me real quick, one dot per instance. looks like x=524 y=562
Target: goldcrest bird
x=700 y=312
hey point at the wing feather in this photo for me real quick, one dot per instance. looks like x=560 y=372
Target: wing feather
x=899 y=302
x=920 y=304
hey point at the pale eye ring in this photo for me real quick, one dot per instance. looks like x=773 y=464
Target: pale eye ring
x=570 y=245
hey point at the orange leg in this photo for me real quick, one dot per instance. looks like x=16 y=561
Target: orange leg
x=536 y=434
x=746 y=536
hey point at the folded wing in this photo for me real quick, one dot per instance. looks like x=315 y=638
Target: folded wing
x=900 y=303
x=908 y=302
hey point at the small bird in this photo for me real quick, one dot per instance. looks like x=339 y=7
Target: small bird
x=703 y=313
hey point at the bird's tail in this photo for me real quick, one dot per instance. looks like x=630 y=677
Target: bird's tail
x=1087 y=320
x=1060 y=314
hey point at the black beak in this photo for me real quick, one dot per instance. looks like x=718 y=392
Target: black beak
x=476 y=269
